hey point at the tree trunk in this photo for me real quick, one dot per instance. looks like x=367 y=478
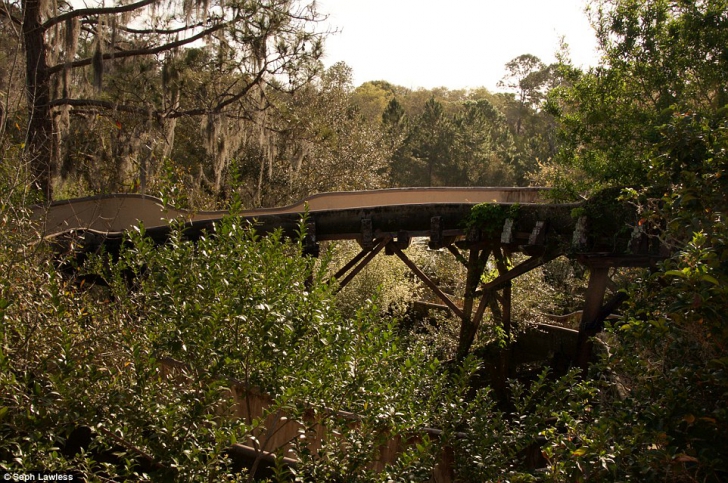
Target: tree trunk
x=39 y=140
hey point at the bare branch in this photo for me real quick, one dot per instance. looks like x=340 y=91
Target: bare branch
x=157 y=114
x=159 y=31
x=5 y=12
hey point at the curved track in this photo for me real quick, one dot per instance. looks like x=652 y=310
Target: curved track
x=114 y=214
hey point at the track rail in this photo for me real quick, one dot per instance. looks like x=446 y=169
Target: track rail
x=339 y=214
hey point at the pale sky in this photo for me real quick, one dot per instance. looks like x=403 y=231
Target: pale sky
x=451 y=43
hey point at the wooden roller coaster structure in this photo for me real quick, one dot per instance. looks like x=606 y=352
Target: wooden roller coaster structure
x=387 y=220
x=522 y=221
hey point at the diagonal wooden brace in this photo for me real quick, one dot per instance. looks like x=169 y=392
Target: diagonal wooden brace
x=523 y=267
x=456 y=253
x=427 y=281
x=368 y=258
x=342 y=271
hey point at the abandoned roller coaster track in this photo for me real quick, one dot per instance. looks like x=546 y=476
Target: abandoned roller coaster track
x=387 y=220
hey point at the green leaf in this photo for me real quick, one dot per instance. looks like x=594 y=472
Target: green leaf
x=711 y=279
x=676 y=273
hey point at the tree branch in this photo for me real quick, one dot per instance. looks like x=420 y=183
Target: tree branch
x=139 y=52
x=102 y=104
x=95 y=11
x=5 y=12
x=158 y=31
x=173 y=114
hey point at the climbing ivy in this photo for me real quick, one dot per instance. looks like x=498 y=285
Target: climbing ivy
x=489 y=218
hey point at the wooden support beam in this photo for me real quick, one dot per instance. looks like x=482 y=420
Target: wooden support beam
x=426 y=280
x=520 y=269
x=482 y=305
x=456 y=253
x=367 y=235
x=502 y=260
x=436 y=239
x=403 y=242
x=592 y=306
x=605 y=312
x=507 y=233
x=372 y=253
x=468 y=330
x=538 y=235
x=469 y=326
x=579 y=238
x=471 y=283
x=342 y=271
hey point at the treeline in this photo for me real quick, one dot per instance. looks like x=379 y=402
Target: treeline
x=124 y=98
x=236 y=105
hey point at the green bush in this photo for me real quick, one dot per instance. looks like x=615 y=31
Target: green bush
x=232 y=306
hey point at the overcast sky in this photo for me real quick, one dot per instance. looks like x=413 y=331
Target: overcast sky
x=451 y=43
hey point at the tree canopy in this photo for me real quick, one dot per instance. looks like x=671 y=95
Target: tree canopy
x=135 y=58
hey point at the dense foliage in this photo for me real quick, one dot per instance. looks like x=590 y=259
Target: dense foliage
x=85 y=387
x=85 y=378
x=653 y=116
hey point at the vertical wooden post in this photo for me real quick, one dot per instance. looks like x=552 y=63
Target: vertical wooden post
x=592 y=306
x=503 y=315
x=501 y=258
x=469 y=326
x=471 y=283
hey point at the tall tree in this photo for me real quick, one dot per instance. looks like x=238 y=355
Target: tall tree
x=430 y=141
x=271 y=44
x=660 y=58
x=484 y=147
x=528 y=77
x=654 y=115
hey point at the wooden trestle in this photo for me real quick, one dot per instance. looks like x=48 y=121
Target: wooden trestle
x=388 y=220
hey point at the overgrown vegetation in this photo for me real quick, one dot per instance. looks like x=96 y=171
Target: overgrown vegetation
x=138 y=367
x=81 y=359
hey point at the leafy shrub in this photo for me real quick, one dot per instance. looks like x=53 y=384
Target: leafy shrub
x=232 y=307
